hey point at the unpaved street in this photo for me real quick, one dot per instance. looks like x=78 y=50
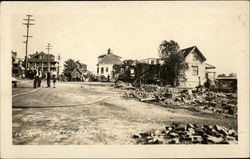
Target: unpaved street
x=91 y=113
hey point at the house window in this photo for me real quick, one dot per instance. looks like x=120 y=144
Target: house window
x=195 y=70
x=157 y=61
x=107 y=69
x=102 y=70
x=152 y=62
x=195 y=56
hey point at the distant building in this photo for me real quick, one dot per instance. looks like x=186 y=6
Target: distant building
x=152 y=61
x=80 y=72
x=41 y=61
x=105 y=64
x=17 y=68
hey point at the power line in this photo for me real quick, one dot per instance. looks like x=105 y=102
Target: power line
x=49 y=47
x=27 y=36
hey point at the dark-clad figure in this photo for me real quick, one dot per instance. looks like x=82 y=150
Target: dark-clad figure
x=40 y=75
x=48 y=79
x=54 y=79
x=36 y=78
x=108 y=78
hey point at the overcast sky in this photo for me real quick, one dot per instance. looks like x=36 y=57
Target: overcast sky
x=134 y=30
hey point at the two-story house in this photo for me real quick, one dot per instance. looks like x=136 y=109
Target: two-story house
x=43 y=61
x=199 y=70
x=105 y=64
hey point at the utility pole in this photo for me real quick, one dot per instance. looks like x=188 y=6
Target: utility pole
x=27 y=36
x=58 y=58
x=49 y=47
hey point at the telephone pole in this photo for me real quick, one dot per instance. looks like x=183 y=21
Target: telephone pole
x=49 y=47
x=58 y=58
x=27 y=36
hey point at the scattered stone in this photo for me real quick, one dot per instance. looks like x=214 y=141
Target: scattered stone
x=232 y=133
x=207 y=100
x=174 y=141
x=214 y=139
x=172 y=134
x=178 y=133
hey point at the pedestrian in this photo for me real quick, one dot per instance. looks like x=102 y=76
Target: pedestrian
x=108 y=78
x=36 y=77
x=48 y=78
x=54 y=79
x=40 y=75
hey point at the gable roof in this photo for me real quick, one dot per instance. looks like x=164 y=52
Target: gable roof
x=190 y=49
x=77 y=69
x=208 y=66
x=34 y=57
x=110 y=59
x=103 y=55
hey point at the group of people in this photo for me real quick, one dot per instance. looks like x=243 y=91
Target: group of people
x=48 y=76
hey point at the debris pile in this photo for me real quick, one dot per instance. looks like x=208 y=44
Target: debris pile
x=178 y=133
x=192 y=99
x=122 y=85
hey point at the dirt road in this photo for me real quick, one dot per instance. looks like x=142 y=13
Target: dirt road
x=91 y=113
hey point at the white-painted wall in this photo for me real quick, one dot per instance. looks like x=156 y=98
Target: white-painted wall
x=193 y=80
x=149 y=61
x=105 y=73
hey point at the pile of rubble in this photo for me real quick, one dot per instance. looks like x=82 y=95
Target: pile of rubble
x=193 y=99
x=122 y=85
x=177 y=133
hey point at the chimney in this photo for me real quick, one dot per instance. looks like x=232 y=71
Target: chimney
x=109 y=51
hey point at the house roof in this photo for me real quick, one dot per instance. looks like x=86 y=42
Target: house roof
x=103 y=55
x=208 y=66
x=34 y=57
x=110 y=59
x=190 y=49
x=151 y=58
x=226 y=78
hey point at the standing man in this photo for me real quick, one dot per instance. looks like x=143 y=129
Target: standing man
x=54 y=79
x=36 y=78
x=40 y=77
x=108 y=78
x=48 y=79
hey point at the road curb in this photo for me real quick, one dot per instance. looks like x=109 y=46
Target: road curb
x=69 y=105
x=16 y=95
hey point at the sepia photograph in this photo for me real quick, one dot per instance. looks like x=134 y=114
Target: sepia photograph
x=120 y=73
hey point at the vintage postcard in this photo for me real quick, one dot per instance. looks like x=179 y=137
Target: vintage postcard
x=125 y=79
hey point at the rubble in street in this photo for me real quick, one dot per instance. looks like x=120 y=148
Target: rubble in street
x=191 y=99
x=178 y=133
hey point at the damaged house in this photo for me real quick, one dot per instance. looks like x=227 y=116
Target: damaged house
x=198 y=73
x=199 y=70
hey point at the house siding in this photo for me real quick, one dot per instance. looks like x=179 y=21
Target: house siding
x=193 y=80
x=105 y=73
